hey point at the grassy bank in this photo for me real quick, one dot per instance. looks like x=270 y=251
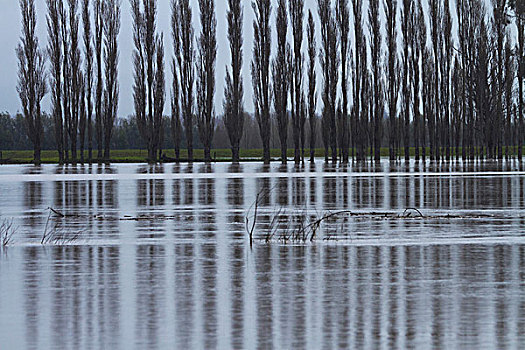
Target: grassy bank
x=139 y=156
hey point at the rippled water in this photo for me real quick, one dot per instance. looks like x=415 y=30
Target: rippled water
x=163 y=259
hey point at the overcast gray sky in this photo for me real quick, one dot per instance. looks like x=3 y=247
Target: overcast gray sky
x=10 y=32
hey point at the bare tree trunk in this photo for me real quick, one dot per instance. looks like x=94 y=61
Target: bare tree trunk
x=82 y=114
x=509 y=97
x=233 y=103
x=261 y=71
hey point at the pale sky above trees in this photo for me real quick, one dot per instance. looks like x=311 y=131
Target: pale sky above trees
x=10 y=33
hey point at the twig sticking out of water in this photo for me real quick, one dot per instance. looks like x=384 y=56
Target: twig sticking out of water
x=7 y=230
x=57 y=235
x=263 y=194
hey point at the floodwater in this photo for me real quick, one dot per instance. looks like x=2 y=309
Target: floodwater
x=160 y=257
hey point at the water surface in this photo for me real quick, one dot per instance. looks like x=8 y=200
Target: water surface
x=163 y=259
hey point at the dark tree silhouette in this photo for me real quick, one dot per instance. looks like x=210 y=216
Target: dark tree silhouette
x=66 y=78
x=233 y=92
x=343 y=21
x=377 y=96
x=435 y=34
x=31 y=76
x=260 y=69
x=206 y=75
x=55 y=54
x=182 y=13
x=312 y=82
x=408 y=50
x=74 y=77
x=148 y=90
x=418 y=41
x=520 y=53
x=392 y=75
x=358 y=120
x=298 y=111
x=281 y=79
x=446 y=62
x=111 y=21
x=88 y=73
x=99 y=93
x=176 y=124
x=499 y=28
x=330 y=66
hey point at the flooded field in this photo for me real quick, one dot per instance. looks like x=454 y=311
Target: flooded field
x=159 y=257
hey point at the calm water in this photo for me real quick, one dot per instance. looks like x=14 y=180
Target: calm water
x=163 y=259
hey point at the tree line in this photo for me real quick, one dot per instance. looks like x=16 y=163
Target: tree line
x=392 y=73
x=126 y=135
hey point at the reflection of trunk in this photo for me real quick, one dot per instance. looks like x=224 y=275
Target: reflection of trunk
x=312 y=80
x=31 y=76
x=261 y=72
x=233 y=108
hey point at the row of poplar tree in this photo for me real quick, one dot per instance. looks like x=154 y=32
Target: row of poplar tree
x=394 y=68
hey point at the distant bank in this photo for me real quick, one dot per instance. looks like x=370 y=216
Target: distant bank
x=218 y=155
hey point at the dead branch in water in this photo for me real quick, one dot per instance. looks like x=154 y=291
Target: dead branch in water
x=58 y=235
x=7 y=230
